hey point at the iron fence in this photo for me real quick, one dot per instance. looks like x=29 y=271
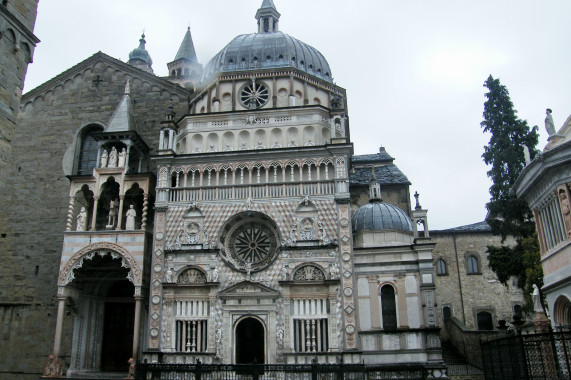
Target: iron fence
x=529 y=356
x=314 y=371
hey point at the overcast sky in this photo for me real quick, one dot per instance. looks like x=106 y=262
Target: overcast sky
x=413 y=70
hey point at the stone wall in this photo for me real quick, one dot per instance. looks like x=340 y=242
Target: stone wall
x=467 y=294
x=31 y=231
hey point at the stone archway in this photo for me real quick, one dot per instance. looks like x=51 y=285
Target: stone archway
x=250 y=341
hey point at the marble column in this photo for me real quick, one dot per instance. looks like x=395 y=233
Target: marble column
x=94 y=216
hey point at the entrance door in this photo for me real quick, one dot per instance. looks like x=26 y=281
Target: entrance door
x=250 y=342
x=118 y=325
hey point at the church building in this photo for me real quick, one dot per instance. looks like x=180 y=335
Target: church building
x=217 y=214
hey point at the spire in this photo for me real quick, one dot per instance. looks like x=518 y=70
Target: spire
x=140 y=57
x=268 y=17
x=374 y=188
x=186 y=49
x=123 y=119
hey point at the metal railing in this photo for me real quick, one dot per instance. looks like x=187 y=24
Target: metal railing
x=314 y=371
x=528 y=356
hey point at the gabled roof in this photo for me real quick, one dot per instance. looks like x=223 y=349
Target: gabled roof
x=102 y=57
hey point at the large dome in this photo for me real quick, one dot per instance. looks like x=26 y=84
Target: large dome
x=380 y=216
x=266 y=51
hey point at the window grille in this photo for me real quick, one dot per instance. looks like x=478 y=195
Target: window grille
x=191 y=326
x=310 y=325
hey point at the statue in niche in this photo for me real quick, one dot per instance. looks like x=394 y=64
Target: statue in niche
x=276 y=145
x=549 y=124
x=244 y=147
x=260 y=146
x=211 y=148
x=131 y=215
x=169 y=275
x=284 y=273
x=309 y=143
x=215 y=274
x=113 y=158
x=334 y=271
x=292 y=144
x=82 y=220
x=104 y=159
x=566 y=210
x=113 y=211
x=122 y=157
x=228 y=148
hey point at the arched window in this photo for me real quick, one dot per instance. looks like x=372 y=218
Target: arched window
x=485 y=321
x=388 y=306
x=441 y=267
x=87 y=158
x=446 y=312
x=517 y=311
x=473 y=267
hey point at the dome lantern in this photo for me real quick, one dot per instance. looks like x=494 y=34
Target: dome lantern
x=268 y=17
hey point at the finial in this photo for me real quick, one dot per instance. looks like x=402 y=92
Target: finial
x=416 y=195
x=374 y=187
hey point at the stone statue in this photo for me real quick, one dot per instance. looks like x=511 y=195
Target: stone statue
x=549 y=124
x=334 y=271
x=244 y=147
x=292 y=144
x=82 y=220
x=131 y=215
x=536 y=297
x=132 y=363
x=112 y=158
x=168 y=275
x=211 y=148
x=566 y=210
x=526 y=155
x=122 y=157
x=284 y=273
x=215 y=274
x=113 y=211
x=104 y=158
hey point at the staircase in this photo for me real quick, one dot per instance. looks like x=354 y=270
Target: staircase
x=458 y=367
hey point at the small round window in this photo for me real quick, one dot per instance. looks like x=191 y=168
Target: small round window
x=254 y=95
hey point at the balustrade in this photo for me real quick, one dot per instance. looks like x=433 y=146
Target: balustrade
x=228 y=192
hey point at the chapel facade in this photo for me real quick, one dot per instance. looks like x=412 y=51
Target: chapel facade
x=219 y=214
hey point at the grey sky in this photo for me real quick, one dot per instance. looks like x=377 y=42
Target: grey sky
x=413 y=70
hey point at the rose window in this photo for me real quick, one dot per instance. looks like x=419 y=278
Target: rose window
x=254 y=95
x=250 y=243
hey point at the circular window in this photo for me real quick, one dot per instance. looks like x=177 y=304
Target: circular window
x=254 y=95
x=250 y=242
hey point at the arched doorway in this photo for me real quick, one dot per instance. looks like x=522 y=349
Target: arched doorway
x=104 y=314
x=250 y=341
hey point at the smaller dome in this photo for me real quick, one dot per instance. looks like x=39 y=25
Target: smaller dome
x=380 y=216
x=141 y=53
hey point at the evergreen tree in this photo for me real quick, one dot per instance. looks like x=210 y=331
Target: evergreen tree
x=508 y=215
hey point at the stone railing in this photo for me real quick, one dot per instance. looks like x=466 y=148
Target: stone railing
x=273 y=190
x=466 y=341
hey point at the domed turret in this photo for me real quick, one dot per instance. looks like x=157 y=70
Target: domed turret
x=380 y=223
x=140 y=57
x=268 y=49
